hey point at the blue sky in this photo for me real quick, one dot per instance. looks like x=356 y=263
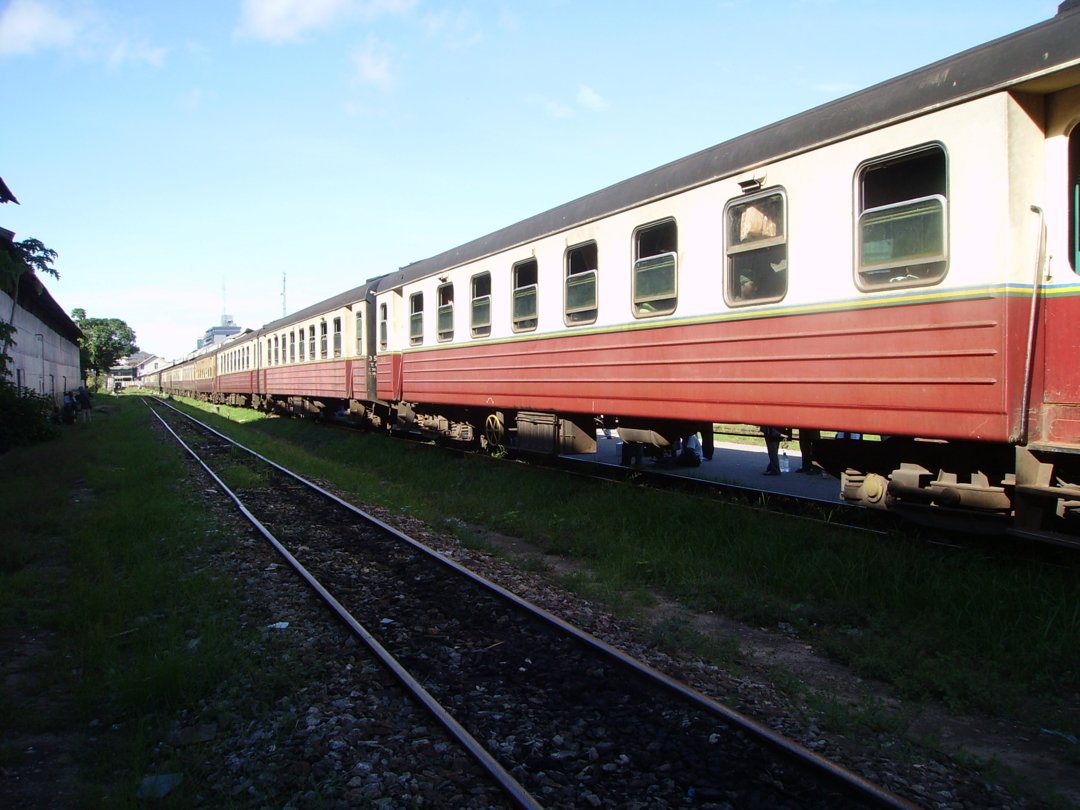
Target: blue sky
x=182 y=157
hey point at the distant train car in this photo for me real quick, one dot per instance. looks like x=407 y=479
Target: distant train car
x=899 y=263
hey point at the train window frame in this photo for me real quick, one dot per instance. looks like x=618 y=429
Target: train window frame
x=756 y=266
x=444 y=312
x=416 y=319
x=480 y=305
x=323 y=341
x=311 y=343
x=526 y=310
x=337 y=337
x=581 y=282
x=1073 y=207
x=384 y=328
x=892 y=189
x=649 y=301
x=300 y=345
x=292 y=346
x=359 y=323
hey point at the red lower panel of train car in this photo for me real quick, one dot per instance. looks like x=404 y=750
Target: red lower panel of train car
x=951 y=368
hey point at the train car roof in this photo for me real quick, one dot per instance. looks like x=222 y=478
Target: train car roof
x=1031 y=59
x=335 y=302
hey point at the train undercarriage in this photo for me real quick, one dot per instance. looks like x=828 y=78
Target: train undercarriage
x=969 y=486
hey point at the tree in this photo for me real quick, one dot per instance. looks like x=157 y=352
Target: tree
x=105 y=341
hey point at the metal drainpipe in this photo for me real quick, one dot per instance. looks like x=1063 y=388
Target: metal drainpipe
x=1029 y=361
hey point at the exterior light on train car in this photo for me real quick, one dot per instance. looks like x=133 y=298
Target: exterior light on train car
x=753 y=184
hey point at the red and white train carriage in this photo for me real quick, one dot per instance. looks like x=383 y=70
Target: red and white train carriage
x=901 y=262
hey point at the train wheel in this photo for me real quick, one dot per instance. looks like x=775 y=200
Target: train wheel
x=494 y=433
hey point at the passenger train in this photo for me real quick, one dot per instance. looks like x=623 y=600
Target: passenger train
x=900 y=263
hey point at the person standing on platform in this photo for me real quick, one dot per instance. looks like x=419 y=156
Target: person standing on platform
x=807 y=439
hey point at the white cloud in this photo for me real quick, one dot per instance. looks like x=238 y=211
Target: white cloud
x=124 y=51
x=372 y=63
x=285 y=20
x=27 y=26
x=281 y=20
x=591 y=100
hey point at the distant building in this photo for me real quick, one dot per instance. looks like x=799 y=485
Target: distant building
x=44 y=354
x=129 y=370
x=218 y=334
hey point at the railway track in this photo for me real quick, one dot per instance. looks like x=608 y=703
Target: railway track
x=554 y=716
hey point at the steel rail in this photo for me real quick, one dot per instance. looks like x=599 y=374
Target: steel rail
x=840 y=775
x=510 y=785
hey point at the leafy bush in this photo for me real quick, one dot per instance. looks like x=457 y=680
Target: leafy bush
x=25 y=416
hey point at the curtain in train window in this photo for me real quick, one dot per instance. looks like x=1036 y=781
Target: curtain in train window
x=902 y=231
x=581 y=272
x=756 y=249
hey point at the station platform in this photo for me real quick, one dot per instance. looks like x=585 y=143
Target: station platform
x=735 y=464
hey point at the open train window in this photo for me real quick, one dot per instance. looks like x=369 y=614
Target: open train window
x=416 y=319
x=444 y=313
x=655 y=250
x=756 y=248
x=580 y=291
x=481 y=305
x=901 y=235
x=525 y=301
x=383 y=328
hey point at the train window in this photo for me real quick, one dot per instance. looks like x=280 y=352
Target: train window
x=337 y=337
x=416 y=319
x=269 y=352
x=756 y=269
x=300 y=347
x=655 y=249
x=311 y=342
x=383 y=328
x=444 y=314
x=292 y=346
x=322 y=340
x=276 y=354
x=359 y=334
x=525 y=307
x=580 y=290
x=903 y=220
x=481 y=305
